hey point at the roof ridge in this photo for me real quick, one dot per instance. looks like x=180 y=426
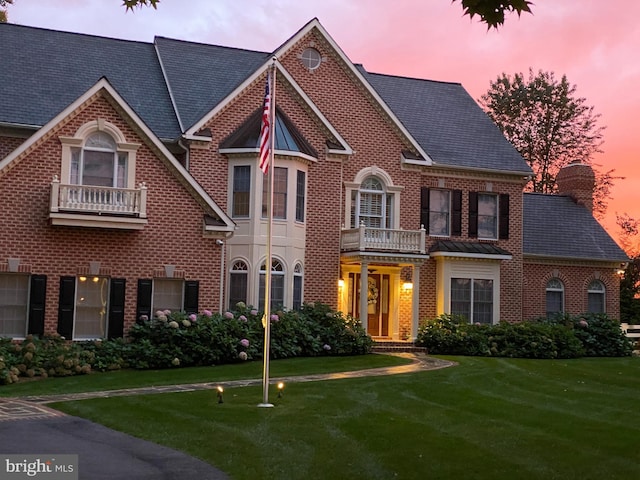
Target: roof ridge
x=75 y=34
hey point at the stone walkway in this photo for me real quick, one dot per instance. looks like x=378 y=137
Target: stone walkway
x=34 y=407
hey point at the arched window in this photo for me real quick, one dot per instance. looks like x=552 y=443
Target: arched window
x=99 y=163
x=238 y=281
x=277 y=284
x=297 y=287
x=372 y=205
x=555 y=297
x=595 y=297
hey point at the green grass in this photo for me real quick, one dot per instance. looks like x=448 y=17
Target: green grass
x=483 y=419
x=144 y=378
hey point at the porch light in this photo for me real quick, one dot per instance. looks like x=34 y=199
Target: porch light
x=407 y=286
x=280 y=389
x=220 y=390
x=340 y=283
x=83 y=279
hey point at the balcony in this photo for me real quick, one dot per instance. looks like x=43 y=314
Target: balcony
x=101 y=207
x=383 y=240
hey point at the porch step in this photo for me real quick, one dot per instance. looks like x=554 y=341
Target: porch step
x=381 y=346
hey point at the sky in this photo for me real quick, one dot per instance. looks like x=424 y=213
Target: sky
x=595 y=43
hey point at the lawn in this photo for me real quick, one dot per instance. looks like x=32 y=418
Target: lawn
x=486 y=418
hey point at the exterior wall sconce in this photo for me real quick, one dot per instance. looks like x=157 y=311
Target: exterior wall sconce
x=407 y=286
x=340 y=283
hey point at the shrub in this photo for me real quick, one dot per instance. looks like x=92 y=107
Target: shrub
x=561 y=337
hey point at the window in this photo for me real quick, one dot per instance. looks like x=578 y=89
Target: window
x=595 y=297
x=439 y=209
x=167 y=294
x=300 y=194
x=487 y=216
x=297 y=287
x=311 y=58
x=279 y=193
x=92 y=295
x=241 y=191
x=238 y=281
x=555 y=297
x=98 y=163
x=371 y=205
x=277 y=284
x=14 y=297
x=472 y=299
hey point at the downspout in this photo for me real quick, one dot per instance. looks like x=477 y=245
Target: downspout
x=186 y=152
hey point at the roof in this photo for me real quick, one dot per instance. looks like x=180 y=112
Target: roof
x=44 y=71
x=468 y=249
x=172 y=84
x=556 y=226
x=448 y=124
x=200 y=76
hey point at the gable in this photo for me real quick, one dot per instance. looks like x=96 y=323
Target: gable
x=103 y=90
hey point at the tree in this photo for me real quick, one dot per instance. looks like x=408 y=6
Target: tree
x=3 y=10
x=630 y=283
x=492 y=12
x=550 y=127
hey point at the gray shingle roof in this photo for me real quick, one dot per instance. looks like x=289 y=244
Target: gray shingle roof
x=43 y=71
x=200 y=75
x=555 y=226
x=447 y=123
x=467 y=247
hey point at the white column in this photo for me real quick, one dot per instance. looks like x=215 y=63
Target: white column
x=415 y=307
x=364 y=293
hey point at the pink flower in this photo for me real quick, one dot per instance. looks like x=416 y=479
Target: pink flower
x=228 y=315
x=244 y=342
x=193 y=317
x=167 y=312
x=275 y=318
x=207 y=313
x=254 y=312
x=326 y=347
x=583 y=323
x=242 y=318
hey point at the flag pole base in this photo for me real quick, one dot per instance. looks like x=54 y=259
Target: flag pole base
x=265 y=405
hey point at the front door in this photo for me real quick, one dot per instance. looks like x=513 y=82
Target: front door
x=377 y=302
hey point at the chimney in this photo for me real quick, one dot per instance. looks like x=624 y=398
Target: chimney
x=577 y=180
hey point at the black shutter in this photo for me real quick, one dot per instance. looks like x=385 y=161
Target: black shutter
x=456 y=213
x=473 y=214
x=116 y=307
x=145 y=289
x=66 y=306
x=503 y=222
x=191 y=291
x=424 y=208
x=37 y=300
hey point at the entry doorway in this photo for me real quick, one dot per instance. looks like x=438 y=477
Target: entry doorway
x=377 y=302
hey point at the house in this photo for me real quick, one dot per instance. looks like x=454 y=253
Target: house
x=129 y=183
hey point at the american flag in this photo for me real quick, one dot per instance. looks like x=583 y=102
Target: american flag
x=265 y=130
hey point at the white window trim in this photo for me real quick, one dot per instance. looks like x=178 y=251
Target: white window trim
x=81 y=135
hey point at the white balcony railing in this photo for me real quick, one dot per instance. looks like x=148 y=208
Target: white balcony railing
x=98 y=200
x=383 y=240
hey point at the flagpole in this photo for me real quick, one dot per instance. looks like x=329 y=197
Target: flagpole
x=266 y=320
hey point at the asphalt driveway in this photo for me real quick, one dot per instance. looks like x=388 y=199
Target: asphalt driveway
x=102 y=453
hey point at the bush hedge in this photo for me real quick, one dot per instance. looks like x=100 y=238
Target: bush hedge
x=564 y=336
x=175 y=339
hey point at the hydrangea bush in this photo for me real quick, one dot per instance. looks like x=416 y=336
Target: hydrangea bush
x=564 y=336
x=176 y=339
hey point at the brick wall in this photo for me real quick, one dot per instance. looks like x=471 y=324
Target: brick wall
x=173 y=235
